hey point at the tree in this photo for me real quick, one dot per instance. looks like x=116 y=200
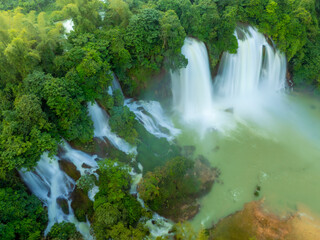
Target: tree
x=25 y=134
x=183 y=9
x=164 y=188
x=26 y=42
x=117 y=213
x=86 y=182
x=122 y=122
x=26 y=5
x=143 y=42
x=21 y=56
x=173 y=35
x=64 y=231
x=117 y=14
x=71 y=116
x=21 y=215
x=84 y=13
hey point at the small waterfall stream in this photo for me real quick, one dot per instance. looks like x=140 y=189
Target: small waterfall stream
x=151 y=115
x=50 y=184
x=68 y=25
x=102 y=129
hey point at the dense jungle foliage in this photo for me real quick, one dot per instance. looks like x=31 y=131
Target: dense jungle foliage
x=47 y=78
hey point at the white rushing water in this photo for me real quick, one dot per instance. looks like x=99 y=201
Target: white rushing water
x=191 y=86
x=68 y=25
x=84 y=163
x=102 y=129
x=157 y=225
x=80 y=159
x=193 y=92
x=256 y=67
x=246 y=82
x=49 y=183
x=151 y=115
x=114 y=86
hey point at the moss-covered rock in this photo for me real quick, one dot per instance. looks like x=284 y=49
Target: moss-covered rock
x=158 y=87
x=70 y=169
x=188 y=151
x=81 y=205
x=63 y=203
x=206 y=174
x=252 y=223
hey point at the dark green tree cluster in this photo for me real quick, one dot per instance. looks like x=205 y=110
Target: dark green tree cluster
x=26 y=5
x=64 y=231
x=122 y=122
x=21 y=215
x=137 y=39
x=144 y=40
x=117 y=214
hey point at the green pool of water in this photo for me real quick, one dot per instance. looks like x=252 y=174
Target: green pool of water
x=280 y=152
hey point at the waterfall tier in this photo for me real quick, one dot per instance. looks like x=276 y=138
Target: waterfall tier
x=246 y=81
x=257 y=67
x=102 y=129
x=50 y=184
x=151 y=115
x=191 y=86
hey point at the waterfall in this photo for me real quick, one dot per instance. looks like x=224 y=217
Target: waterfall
x=191 y=86
x=245 y=82
x=114 y=86
x=79 y=159
x=102 y=129
x=193 y=92
x=68 y=25
x=157 y=225
x=50 y=184
x=82 y=161
x=151 y=115
x=256 y=67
